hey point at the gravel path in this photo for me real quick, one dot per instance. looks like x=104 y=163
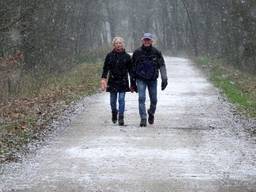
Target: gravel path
x=195 y=145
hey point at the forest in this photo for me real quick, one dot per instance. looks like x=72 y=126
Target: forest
x=50 y=34
x=51 y=51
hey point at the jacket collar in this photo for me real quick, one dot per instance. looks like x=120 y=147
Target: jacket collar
x=146 y=48
x=118 y=52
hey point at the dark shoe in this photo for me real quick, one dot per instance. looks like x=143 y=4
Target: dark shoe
x=114 y=117
x=143 y=122
x=151 y=118
x=121 y=120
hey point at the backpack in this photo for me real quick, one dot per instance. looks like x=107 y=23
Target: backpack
x=146 y=68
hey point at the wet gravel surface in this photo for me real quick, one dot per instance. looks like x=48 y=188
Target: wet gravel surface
x=198 y=143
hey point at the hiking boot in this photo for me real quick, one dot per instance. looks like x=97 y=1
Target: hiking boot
x=121 y=120
x=114 y=117
x=150 y=118
x=143 y=122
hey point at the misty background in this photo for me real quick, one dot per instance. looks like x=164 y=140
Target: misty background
x=54 y=35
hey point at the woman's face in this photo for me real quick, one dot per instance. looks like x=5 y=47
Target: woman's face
x=118 y=45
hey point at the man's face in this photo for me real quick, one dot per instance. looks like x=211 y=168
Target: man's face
x=147 y=42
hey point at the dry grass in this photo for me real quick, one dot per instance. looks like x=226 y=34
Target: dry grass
x=38 y=102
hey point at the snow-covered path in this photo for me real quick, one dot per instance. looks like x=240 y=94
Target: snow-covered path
x=195 y=145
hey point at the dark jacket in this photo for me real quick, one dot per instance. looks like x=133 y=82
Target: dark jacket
x=152 y=53
x=116 y=67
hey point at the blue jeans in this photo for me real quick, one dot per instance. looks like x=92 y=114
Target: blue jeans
x=152 y=90
x=121 y=102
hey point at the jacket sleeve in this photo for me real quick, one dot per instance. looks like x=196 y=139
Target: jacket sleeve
x=133 y=62
x=105 y=68
x=162 y=67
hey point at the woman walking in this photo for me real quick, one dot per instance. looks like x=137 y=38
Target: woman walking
x=116 y=68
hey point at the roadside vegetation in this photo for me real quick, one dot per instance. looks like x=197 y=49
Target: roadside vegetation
x=238 y=86
x=25 y=114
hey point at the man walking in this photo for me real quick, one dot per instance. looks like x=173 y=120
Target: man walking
x=147 y=62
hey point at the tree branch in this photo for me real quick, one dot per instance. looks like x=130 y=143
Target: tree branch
x=18 y=19
x=192 y=27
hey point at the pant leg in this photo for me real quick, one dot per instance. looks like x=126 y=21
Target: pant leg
x=152 y=90
x=141 y=85
x=121 y=102
x=113 y=100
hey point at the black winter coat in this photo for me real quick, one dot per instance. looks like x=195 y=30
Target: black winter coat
x=155 y=55
x=116 y=68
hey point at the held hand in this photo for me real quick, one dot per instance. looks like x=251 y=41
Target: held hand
x=133 y=88
x=164 y=84
x=103 y=84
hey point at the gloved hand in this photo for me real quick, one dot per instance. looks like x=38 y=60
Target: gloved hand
x=134 y=88
x=164 y=84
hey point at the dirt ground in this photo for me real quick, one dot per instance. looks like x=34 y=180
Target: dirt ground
x=197 y=144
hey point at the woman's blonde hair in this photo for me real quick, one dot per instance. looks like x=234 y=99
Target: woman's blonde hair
x=118 y=39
